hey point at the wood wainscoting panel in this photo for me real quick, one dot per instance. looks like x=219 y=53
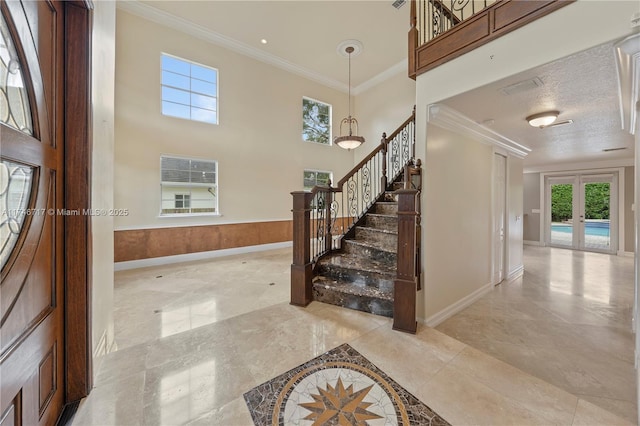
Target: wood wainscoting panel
x=495 y=21
x=510 y=13
x=139 y=244
x=450 y=43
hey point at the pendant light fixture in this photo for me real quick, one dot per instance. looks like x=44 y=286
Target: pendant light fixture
x=351 y=139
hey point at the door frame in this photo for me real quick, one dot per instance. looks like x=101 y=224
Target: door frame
x=619 y=196
x=77 y=180
x=75 y=124
x=498 y=276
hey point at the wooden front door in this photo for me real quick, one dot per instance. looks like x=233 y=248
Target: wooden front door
x=32 y=302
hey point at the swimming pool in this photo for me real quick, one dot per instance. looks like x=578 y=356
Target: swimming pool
x=591 y=228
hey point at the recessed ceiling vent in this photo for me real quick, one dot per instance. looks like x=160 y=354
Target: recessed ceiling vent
x=614 y=149
x=522 y=86
x=398 y=3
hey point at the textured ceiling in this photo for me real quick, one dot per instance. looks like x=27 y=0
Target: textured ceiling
x=583 y=87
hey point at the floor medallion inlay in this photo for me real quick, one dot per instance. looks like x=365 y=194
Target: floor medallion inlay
x=339 y=387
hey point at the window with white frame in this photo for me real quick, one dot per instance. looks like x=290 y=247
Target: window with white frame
x=316 y=121
x=182 y=201
x=312 y=178
x=189 y=90
x=188 y=186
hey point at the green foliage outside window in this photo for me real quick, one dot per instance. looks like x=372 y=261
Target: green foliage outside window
x=597 y=201
x=316 y=121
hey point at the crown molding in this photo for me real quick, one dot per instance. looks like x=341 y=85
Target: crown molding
x=135 y=7
x=383 y=76
x=584 y=165
x=627 y=54
x=450 y=119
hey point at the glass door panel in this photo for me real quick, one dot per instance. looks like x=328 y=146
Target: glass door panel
x=562 y=229
x=596 y=213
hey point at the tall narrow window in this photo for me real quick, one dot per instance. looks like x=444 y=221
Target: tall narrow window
x=189 y=90
x=316 y=121
x=188 y=186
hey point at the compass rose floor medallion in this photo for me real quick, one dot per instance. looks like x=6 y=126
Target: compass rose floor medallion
x=340 y=387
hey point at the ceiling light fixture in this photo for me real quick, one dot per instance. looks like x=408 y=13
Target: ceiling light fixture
x=350 y=140
x=263 y=41
x=542 y=119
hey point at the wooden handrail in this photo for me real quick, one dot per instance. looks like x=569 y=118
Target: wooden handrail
x=383 y=145
x=395 y=133
x=448 y=13
x=325 y=214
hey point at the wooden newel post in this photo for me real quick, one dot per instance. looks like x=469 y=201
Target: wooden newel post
x=301 y=266
x=383 y=179
x=404 y=301
x=412 y=41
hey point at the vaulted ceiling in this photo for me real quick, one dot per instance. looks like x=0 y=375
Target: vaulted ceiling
x=302 y=36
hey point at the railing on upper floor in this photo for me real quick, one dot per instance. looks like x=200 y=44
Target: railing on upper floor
x=326 y=214
x=434 y=17
x=442 y=30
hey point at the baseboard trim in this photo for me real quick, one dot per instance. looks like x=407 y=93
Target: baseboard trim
x=101 y=347
x=99 y=352
x=456 y=307
x=626 y=253
x=516 y=273
x=157 y=261
x=532 y=243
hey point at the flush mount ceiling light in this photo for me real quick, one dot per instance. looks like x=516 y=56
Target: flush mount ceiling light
x=542 y=119
x=351 y=139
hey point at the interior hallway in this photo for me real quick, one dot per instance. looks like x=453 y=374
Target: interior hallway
x=193 y=337
x=566 y=321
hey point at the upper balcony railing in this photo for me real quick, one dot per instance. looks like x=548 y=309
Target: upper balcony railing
x=438 y=16
x=442 y=30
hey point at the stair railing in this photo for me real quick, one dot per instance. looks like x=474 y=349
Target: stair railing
x=324 y=215
x=441 y=30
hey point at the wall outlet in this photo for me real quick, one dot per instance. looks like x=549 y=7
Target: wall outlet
x=535 y=211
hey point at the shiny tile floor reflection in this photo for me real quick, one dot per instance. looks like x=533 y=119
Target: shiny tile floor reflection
x=192 y=338
x=567 y=321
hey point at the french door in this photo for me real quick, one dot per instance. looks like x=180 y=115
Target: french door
x=582 y=212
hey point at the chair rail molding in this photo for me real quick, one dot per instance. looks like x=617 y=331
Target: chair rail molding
x=450 y=119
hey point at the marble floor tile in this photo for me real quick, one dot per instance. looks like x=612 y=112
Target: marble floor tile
x=566 y=321
x=588 y=414
x=118 y=402
x=192 y=338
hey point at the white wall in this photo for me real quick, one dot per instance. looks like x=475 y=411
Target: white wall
x=383 y=108
x=456 y=219
x=258 y=143
x=573 y=28
x=515 y=215
x=102 y=84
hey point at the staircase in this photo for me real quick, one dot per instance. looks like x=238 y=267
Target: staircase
x=360 y=276
x=356 y=244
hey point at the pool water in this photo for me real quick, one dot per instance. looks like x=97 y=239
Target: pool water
x=591 y=228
